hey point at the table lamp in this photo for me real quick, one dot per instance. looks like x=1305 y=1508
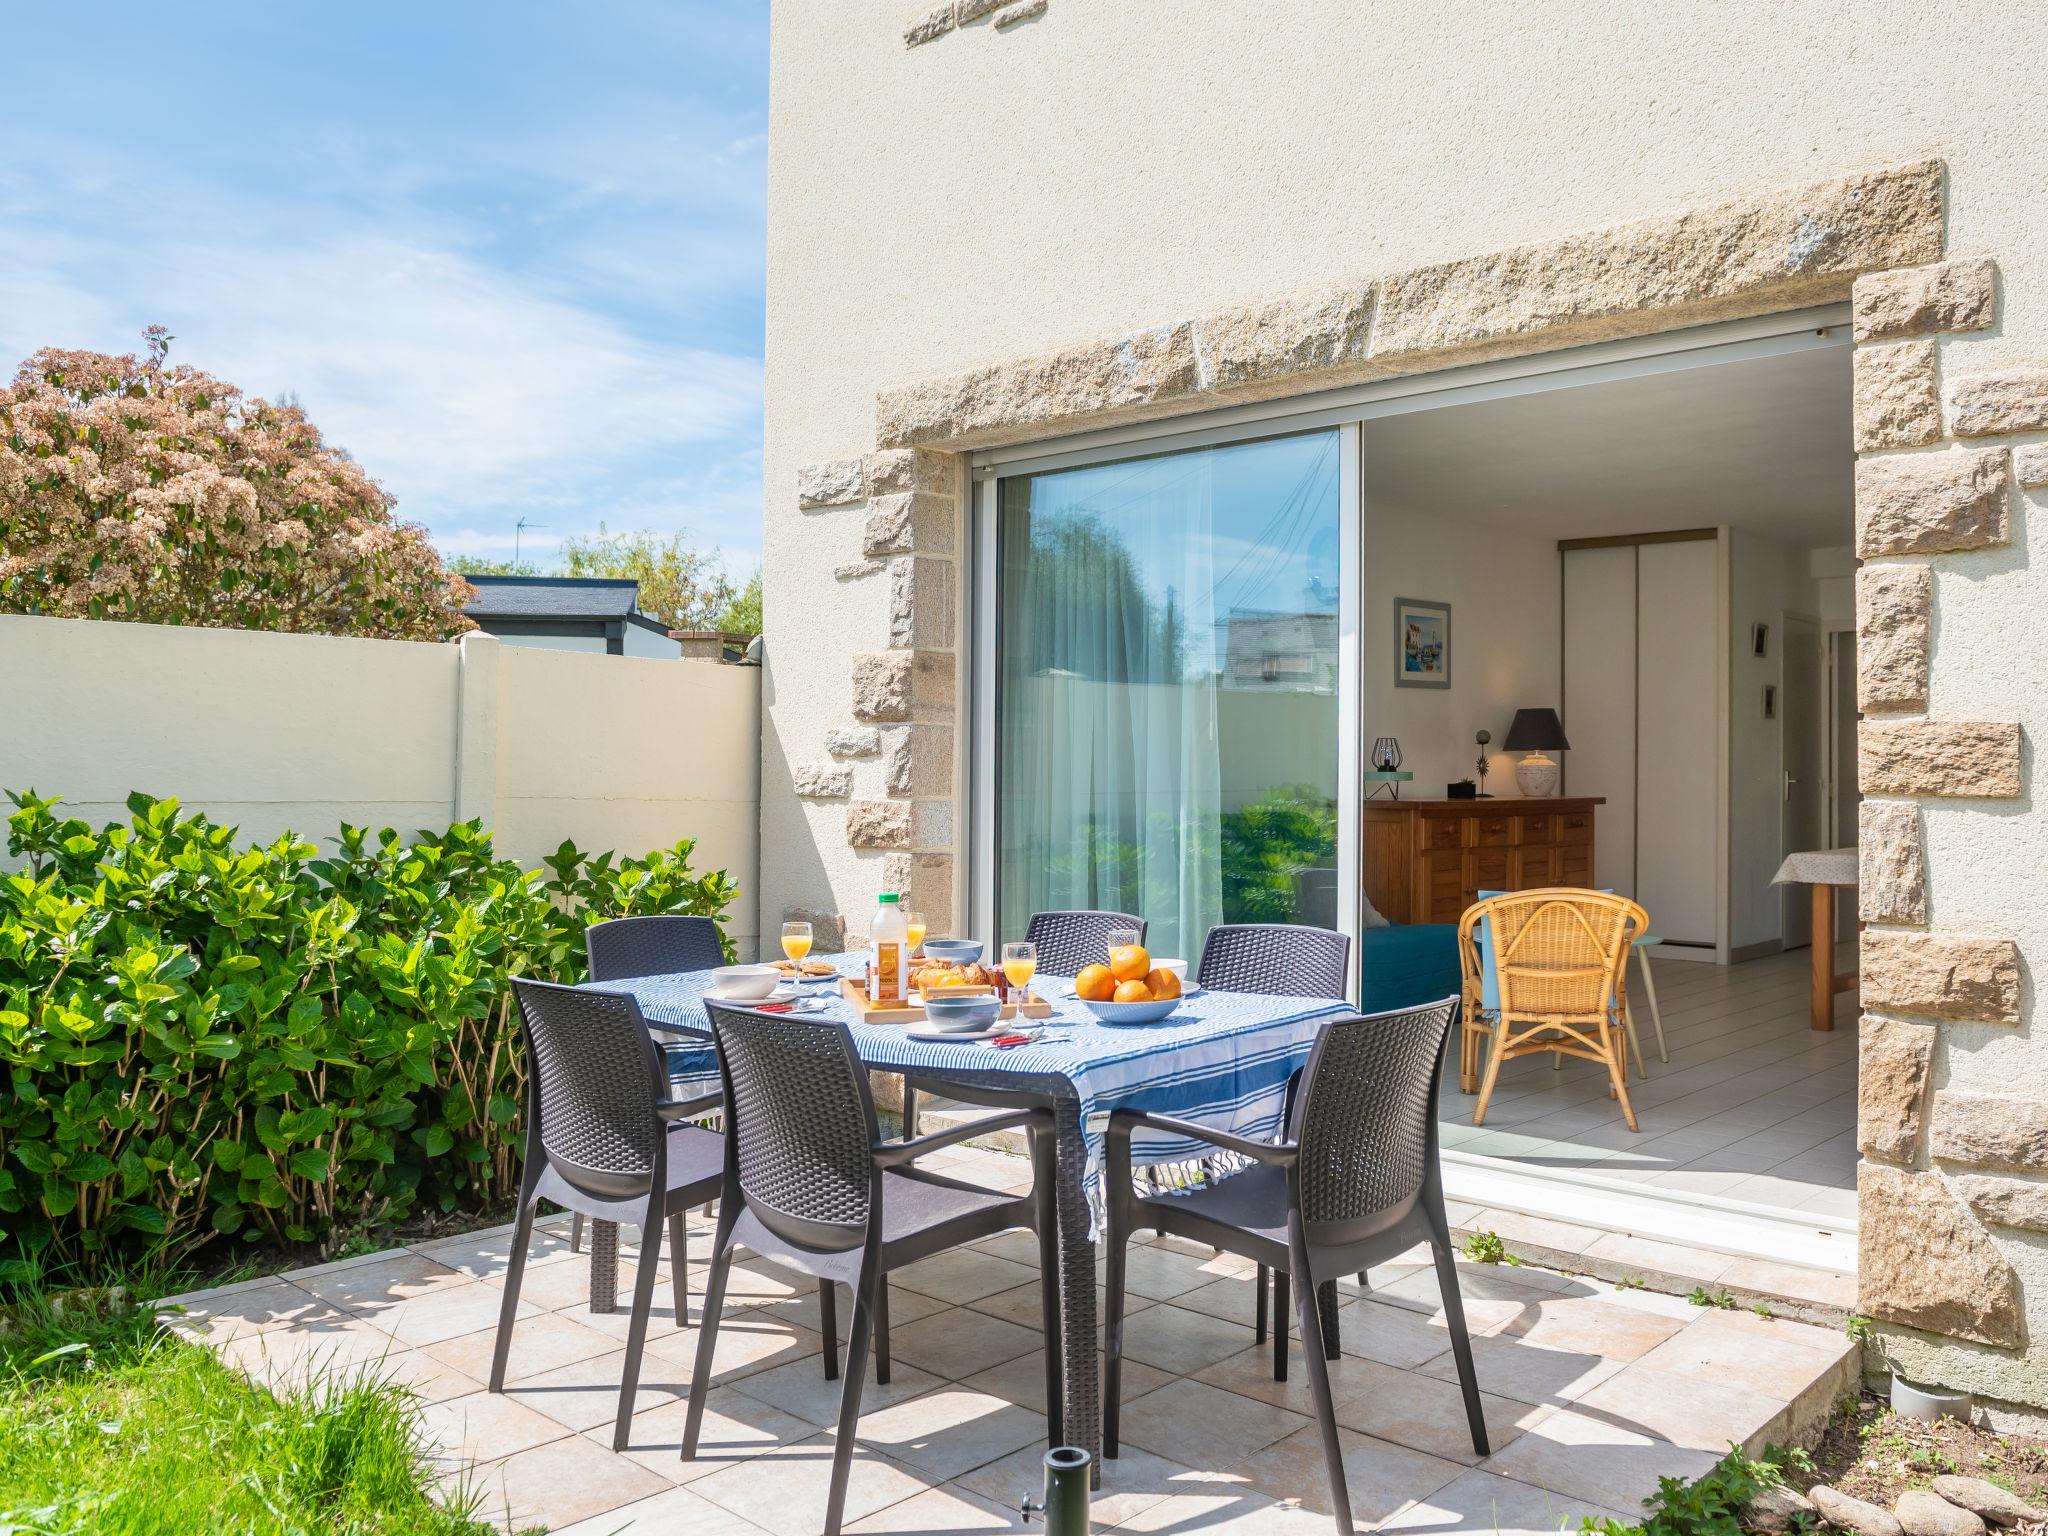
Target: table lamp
x=1536 y=732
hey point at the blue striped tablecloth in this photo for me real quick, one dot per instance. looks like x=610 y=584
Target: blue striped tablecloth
x=1223 y=1058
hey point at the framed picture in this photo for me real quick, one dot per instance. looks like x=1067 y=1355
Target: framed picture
x=1759 y=639
x=1770 y=701
x=1422 y=643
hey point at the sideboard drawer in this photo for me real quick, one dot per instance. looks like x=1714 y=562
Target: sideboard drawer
x=1489 y=869
x=1575 y=864
x=1494 y=831
x=1443 y=831
x=1535 y=868
x=1575 y=827
x=1539 y=829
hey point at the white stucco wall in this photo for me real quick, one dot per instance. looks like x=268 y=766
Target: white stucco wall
x=1110 y=167
x=274 y=733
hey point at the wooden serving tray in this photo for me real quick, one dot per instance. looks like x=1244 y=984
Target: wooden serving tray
x=856 y=994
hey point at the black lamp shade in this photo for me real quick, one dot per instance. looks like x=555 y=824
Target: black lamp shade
x=1536 y=730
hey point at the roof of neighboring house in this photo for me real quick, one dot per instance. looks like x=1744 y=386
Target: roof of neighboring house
x=553 y=597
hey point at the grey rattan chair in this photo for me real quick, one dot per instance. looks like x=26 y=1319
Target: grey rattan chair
x=1279 y=960
x=1069 y=940
x=810 y=1183
x=604 y=1139
x=1355 y=1182
x=626 y=947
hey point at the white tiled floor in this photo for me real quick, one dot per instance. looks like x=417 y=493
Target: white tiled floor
x=1754 y=1105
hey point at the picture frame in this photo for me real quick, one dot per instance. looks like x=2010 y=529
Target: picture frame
x=1759 y=639
x=1422 y=643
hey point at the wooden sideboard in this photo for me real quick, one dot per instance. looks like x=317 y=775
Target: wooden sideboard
x=1427 y=860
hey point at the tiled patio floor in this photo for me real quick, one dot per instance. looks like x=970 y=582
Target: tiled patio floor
x=1592 y=1392
x=1754 y=1104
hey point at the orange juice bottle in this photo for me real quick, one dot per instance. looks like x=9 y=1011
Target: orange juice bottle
x=889 y=938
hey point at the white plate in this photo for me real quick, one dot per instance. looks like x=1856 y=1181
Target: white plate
x=955 y=1037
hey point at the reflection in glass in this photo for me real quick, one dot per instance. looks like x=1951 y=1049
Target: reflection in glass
x=1167 y=689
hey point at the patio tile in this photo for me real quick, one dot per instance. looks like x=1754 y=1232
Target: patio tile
x=446 y=1314
x=1203 y=1426
x=963 y=1275
x=1022 y=1380
x=951 y=1431
x=1664 y=1258
x=480 y=1254
x=951 y=1509
x=1490 y=1303
x=585 y=1393
x=1526 y=1372
x=1826 y=1286
x=800 y=1388
x=539 y=1343
x=678 y=1512
x=1223 y=1508
x=557 y=1484
x=1134 y=1480
x=425 y=1377
x=905 y=1307
x=1775 y=1359
x=1586 y=1457
x=748 y=1343
x=661 y=1315
x=1700 y=1415
x=736 y=1428
x=958 y=1343
x=240 y=1311
x=1588 y=1325
x=1020 y=1305
x=1479 y=1503
x=1540 y=1231
x=1164 y=1273
x=1249 y=1373
x=784 y=1491
x=1381 y=1478
x=285 y=1358
x=1180 y=1341
x=366 y=1289
x=1425 y=1414
x=484 y=1426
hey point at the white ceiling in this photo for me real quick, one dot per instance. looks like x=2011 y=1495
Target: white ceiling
x=1761 y=444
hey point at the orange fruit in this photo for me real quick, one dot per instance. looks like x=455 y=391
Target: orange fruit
x=1129 y=962
x=1133 y=992
x=1163 y=985
x=1094 y=984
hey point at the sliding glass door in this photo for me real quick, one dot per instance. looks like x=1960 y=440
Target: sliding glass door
x=1166 y=712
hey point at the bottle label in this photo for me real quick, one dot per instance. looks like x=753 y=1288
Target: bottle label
x=888 y=973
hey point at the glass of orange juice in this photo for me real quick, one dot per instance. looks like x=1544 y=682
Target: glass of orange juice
x=915 y=923
x=1020 y=964
x=796 y=942
x=1120 y=938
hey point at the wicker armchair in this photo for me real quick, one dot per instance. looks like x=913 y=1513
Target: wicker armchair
x=1558 y=966
x=1355 y=1182
x=810 y=1183
x=603 y=1139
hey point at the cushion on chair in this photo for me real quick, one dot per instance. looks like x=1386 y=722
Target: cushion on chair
x=1407 y=965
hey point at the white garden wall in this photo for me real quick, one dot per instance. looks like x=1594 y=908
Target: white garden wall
x=276 y=732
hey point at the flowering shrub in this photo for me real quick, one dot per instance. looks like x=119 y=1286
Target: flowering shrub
x=203 y=1039
x=130 y=489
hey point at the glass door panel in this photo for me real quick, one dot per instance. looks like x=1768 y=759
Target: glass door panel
x=1166 y=689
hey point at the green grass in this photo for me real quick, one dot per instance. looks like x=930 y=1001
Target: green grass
x=111 y=1428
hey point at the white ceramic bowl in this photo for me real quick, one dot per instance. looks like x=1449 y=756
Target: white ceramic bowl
x=1178 y=967
x=962 y=1015
x=744 y=983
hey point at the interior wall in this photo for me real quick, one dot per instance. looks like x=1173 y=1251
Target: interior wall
x=1767 y=580
x=1502 y=587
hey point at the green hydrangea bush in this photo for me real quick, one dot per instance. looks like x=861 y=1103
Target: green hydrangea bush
x=205 y=1040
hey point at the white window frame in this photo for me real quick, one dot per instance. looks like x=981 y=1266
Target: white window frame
x=1714 y=345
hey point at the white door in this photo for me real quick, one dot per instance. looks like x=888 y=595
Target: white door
x=1678 y=739
x=1803 y=714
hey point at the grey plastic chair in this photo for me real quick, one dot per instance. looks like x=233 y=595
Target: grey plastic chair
x=625 y=947
x=1355 y=1182
x=1279 y=960
x=603 y=1139
x=1066 y=941
x=1069 y=940
x=810 y=1183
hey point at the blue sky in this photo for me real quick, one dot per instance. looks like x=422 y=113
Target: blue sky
x=509 y=255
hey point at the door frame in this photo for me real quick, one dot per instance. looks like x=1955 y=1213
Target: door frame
x=1792 y=897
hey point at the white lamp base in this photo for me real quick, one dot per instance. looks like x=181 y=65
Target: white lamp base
x=1536 y=776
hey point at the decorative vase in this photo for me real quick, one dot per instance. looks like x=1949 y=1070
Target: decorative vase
x=1536 y=776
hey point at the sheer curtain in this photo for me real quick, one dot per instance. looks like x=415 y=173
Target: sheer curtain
x=1157 y=683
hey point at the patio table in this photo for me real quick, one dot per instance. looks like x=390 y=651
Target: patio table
x=1223 y=1058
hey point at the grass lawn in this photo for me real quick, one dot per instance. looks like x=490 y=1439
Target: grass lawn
x=110 y=1428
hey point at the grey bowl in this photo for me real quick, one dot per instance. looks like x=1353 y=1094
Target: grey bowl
x=1132 y=1013
x=963 y=1015
x=958 y=951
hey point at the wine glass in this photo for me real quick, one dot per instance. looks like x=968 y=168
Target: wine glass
x=796 y=943
x=917 y=928
x=1020 y=964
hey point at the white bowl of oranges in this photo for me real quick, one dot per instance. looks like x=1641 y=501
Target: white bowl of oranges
x=1130 y=989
